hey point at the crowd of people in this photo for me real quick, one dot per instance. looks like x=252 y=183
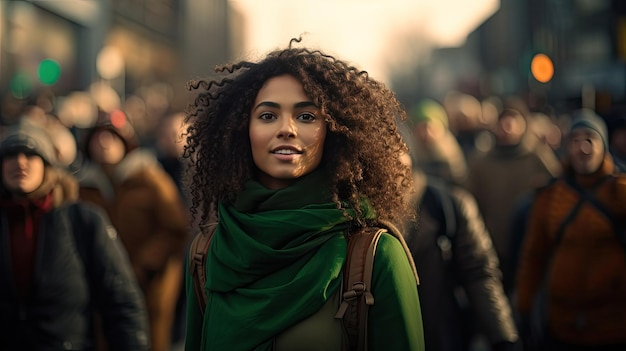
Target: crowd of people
x=497 y=227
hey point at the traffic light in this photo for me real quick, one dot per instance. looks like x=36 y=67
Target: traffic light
x=48 y=71
x=542 y=68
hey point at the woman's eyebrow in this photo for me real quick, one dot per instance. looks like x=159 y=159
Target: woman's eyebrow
x=276 y=105
x=304 y=104
x=267 y=103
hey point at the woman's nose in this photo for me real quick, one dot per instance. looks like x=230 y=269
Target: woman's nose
x=287 y=128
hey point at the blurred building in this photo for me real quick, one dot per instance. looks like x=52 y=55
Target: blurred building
x=585 y=41
x=580 y=37
x=66 y=46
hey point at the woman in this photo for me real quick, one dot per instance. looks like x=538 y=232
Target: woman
x=62 y=265
x=297 y=151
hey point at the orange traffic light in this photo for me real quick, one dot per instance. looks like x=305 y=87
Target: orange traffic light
x=542 y=68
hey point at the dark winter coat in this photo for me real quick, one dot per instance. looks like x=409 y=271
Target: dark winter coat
x=465 y=291
x=81 y=270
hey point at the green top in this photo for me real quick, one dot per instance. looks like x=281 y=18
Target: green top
x=274 y=268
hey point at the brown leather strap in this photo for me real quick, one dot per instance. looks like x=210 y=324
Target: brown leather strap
x=357 y=295
x=393 y=230
x=197 y=262
x=198 y=252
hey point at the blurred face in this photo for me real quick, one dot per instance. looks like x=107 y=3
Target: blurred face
x=106 y=148
x=511 y=128
x=22 y=173
x=287 y=132
x=585 y=150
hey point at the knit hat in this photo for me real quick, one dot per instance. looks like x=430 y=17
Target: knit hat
x=116 y=122
x=28 y=138
x=586 y=118
x=428 y=110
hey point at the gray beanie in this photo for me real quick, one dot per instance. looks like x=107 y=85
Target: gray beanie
x=29 y=138
x=586 y=118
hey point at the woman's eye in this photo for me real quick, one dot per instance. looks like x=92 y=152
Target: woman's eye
x=309 y=117
x=266 y=116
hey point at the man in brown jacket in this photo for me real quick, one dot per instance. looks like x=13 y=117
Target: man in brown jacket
x=575 y=242
x=146 y=209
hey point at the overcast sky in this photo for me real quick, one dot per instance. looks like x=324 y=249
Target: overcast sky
x=363 y=32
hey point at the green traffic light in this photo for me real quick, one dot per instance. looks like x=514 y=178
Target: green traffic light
x=20 y=85
x=48 y=71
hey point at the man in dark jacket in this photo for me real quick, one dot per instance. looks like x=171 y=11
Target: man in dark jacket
x=461 y=284
x=62 y=264
x=461 y=291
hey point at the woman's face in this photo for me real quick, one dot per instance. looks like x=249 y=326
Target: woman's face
x=22 y=173
x=287 y=132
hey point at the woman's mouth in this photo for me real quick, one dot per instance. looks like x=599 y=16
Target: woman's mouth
x=286 y=154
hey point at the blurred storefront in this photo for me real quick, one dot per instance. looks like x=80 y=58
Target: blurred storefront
x=582 y=44
x=47 y=45
x=581 y=38
x=133 y=55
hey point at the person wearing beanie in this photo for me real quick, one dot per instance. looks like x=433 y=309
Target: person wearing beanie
x=437 y=151
x=575 y=245
x=147 y=210
x=62 y=264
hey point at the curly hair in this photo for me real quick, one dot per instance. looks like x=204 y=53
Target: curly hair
x=362 y=147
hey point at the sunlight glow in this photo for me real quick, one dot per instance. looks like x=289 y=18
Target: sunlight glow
x=367 y=33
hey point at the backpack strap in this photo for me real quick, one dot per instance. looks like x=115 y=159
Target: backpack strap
x=198 y=251
x=356 y=290
x=588 y=196
x=539 y=311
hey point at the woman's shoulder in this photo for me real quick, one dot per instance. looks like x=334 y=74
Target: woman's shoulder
x=391 y=253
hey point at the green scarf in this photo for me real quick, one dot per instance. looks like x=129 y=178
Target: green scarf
x=275 y=258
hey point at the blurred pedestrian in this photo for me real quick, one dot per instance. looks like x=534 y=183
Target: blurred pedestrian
x=62 y=264
x=461 y=291
x=573 y=260
x=515 y=166
x=437 y=151
x=298 y=151
x=464 y=112
x=146 y=209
